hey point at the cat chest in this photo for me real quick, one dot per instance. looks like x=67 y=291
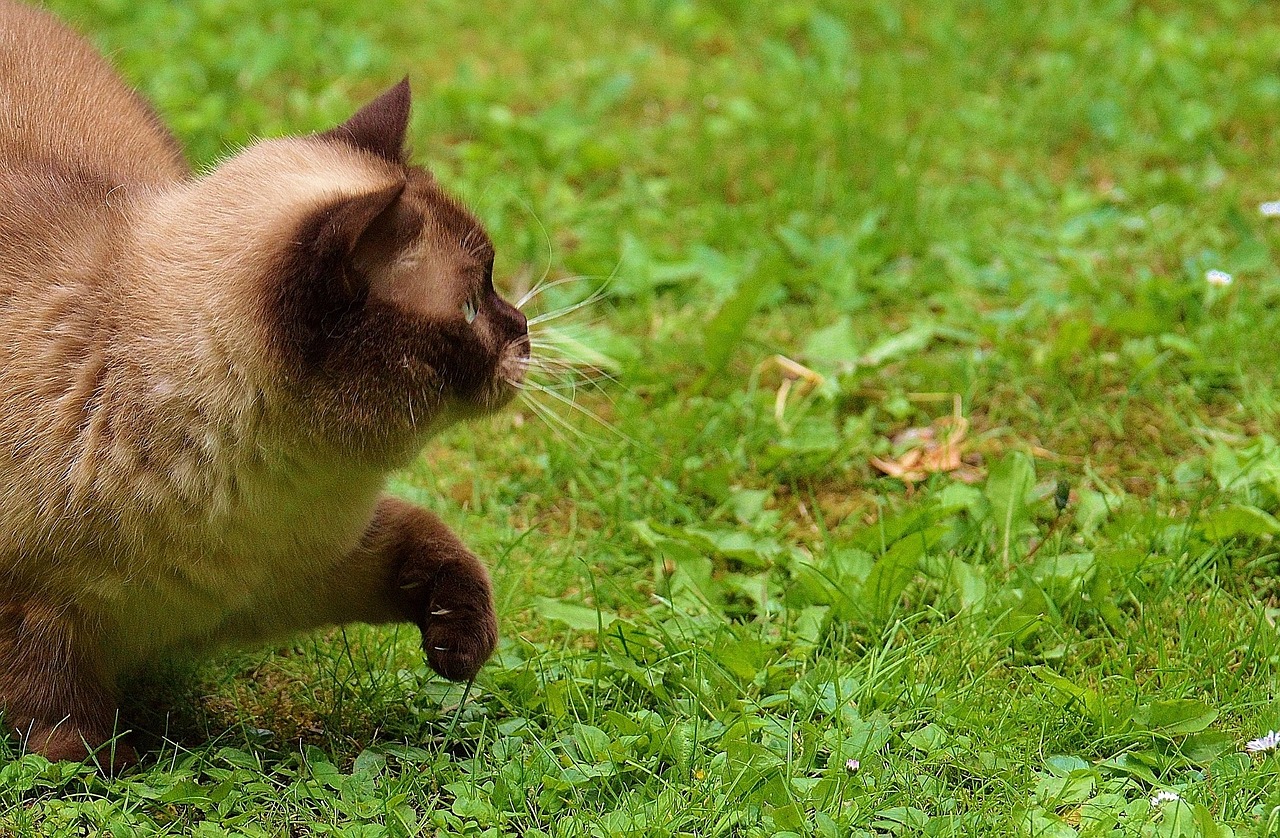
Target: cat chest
x=242 y=541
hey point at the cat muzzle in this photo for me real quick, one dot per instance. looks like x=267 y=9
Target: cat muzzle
x=514 y=364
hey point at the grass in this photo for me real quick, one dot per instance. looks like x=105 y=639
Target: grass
x=711 y=599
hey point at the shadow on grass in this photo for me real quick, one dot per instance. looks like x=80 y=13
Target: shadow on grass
x=276 y=704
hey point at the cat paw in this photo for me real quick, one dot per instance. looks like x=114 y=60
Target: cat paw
x=459 y=626
x=445 y=589
x=460 y=629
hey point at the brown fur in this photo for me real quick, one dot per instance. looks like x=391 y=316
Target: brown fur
x=206 y=380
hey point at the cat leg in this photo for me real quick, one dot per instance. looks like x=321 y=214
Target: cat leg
x=439 y=584
x=408 y=567
x=56 y=701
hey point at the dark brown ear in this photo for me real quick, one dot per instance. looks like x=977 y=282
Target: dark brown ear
x=317 y=280
x=347 y=221
x=379 y=127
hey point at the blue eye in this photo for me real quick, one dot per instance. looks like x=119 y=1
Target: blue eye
x=469 y=311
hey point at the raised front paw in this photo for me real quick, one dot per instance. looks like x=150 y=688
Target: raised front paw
x=459 y=639
x=459 y=627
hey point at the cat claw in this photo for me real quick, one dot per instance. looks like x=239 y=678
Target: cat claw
x=441 y=612
x=441 y=648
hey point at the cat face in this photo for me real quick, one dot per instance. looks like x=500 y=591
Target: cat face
x=428 y=264
x=385 y=308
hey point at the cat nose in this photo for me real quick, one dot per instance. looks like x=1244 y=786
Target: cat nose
x=519 y=324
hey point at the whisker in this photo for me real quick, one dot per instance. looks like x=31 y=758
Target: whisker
x=569 y=372
x=567 y=382
x=567 y=385
x=590 y=414
x=565 y=350
x=600 y=291
x=567 y=362
x=591 y=299
x=560 y=365
x=553 y=421
x=541 y=285
x=560 y=333
x=570 y=381
x=563 y=428
x=563 y=379
x=559 y=343
x=546 y=237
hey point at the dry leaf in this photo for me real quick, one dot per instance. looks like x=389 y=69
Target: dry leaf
x=792 y=372
x=932 y=449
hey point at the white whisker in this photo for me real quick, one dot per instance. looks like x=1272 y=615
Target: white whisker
x=569 y=382
x=568 y=386
x=568 y=376
x=590 y=414
x=560 y=365
x=542 y=285
x=569 y=366
x=546 y=237
x=593 y=298
x=557 y=424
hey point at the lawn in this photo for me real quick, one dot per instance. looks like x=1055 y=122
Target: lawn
x=905 y=470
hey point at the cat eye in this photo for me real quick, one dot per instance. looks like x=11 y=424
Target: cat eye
x=469 y=311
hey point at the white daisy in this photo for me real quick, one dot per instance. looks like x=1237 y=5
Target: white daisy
x=1219 y=278
x=1270 y=209
x=1162 y=797
x=1263 y=743
x=852 y=766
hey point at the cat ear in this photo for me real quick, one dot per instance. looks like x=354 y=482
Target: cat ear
x=317 y=275
x=379 y=127
x=342 y=225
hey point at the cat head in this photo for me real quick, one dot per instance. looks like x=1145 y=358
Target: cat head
x=383 y=304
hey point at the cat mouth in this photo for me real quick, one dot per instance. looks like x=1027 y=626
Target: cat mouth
x=503 y=385
x=514 y=364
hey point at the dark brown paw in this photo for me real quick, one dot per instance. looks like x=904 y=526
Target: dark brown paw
x=445 y=589
x=459 y=629
x=458 y=642
x=458 y=626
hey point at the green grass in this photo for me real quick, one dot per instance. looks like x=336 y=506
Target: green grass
x=712 y=601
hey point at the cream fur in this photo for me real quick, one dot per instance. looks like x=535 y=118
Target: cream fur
x=204 y=381
x=159 y=515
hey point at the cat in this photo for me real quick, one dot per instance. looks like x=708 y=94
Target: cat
x=205 y=381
